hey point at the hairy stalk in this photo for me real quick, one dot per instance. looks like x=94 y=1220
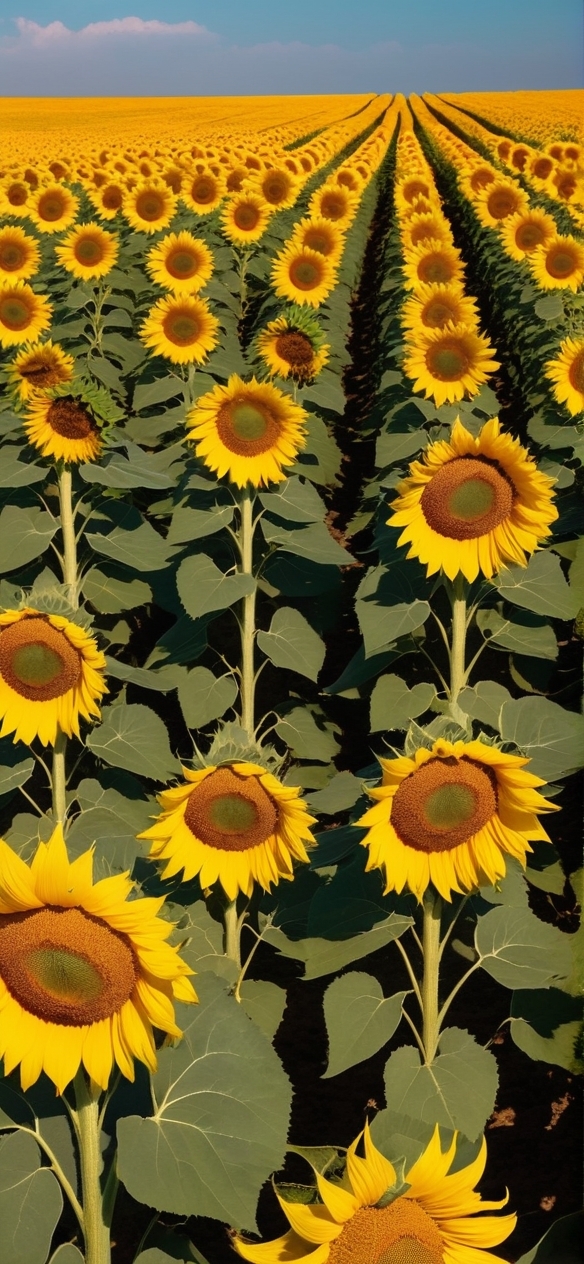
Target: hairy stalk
x=59 y=779
x=248 y=679
x=232 y=933
x=70 y=576
x=431 y=946
x=96 y=1230
x=458 y=672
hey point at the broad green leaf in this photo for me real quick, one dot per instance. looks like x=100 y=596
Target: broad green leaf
x=577 y=574
x=142 y=550
x=398 y=446
x=264 y=1003
x=320 y=458
x=295 y=500
x=15 y=473
x=204 y=697
x=156 y=392
x=111 y=821
x=550 y=308
x=30 y=1201
x=552 y=737
x=559 y=1049
x=382 y=625
x=220 y=1121
x=201 y=939
x=161 y=681
x=313 y=541
x=327 y=391
x=484 y=701
x=457 y=1090
x=396 y=1134
x=540 y=586
x=562 y=1244
x=196 y=524
x=519 y=951
x=110 y=596
x=534 y=641
x=139 y=471
x=24 y=535
x=359 y=1019
x=203 y=588
x=304 y=736
x=134 y=737
x=169 y=1248
x=326 y=956
x=67 y=1253
x=12 y=778
x=393 y=705
x=292 y=643
x=340 y=793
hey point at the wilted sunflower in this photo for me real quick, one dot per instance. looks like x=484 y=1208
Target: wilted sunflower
x=293 y=346
x=449 y=363
x=23 y=314
x=433 y=263
x=149 y=206
x=19 y=255
x=559 y=264
x=420 y=229
x=435 y=306
x=428 y=1224
x=88 y=252
x=321 y=235
x=51 y=674
x=449 y=815
x=567 y=374
x=64 y=425
x=181 y=263
x=247 y=431
x=85 y=973
x=521 y=234
x=40 y=367
x=53 y=208
x=474 y=504
x=499 y=200
x=108 y=199
x=332 y=201
x=181 y=328
x=203 y=191
x=235 y=824
x=303 y=276
x=245 y=218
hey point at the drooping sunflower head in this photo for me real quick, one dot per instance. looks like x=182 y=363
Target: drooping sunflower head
x=303 y=276
x=235 y=824
x=499 y=200
x=85 y=973
x=203 y=190
x=321 y=235
x=293 y=346
x=88 y=252
x=435 y=306
x=24 y=315
x=19 y=255
x=51 y=676
x=559 y=264
x=473 y=505
x=433 y=263
x=245 y=217
x=522 y=233
x=335 y=202
x=53 y=207
x=566 y=372
x=449 y=363
x=39 y=368
x=181 y=263
x=366 y=1219
x=70 y=422
x=149 y=206
x=247 y=431
x=182 y=328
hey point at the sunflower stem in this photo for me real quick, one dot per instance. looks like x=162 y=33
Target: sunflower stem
x=59 y=779
x=96 y=1230
x=68 y=532
x=232 y=933
x=248 y=679
x=458 y=673
x=430 y=980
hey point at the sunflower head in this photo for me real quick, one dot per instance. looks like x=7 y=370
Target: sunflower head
x=182 y=328
x=203 y=190
x=499 y=200
x=303 y=276
x=559 y=264
x=53 y=207
x=70 y=422
x=39 y=368
x=335 y=202
x=432 y=263
x=293 y=346
x=245 y=217
x=567 y=374
x=108 y=198
x=24 y=315
x=88 y=252
x=321 y=235
x=435 y=306
x=181 y=263
x=524 y=232
x=420 y=229
x=450 y=362
x=19 y=255
x=149 y=206
x=278 y=187
x=247 y=431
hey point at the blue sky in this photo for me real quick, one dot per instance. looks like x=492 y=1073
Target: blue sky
x=184 y=47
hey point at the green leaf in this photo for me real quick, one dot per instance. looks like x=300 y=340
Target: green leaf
x=551 y=737
x=15 y=473
x=484 y=701
x=340 y=793
x=196 y=524
x=320 y=458
x=393 y=705
x=540 y=586
x=382 y=625
x=264 y=1003
x=326 y=956
x=112 y=821
x=292 y=643
x=204 y=697
x=562 y=1244
x=313 y=541
x=24 y=535
x=142 y=549
x=519 y=951
x=295 y=500
x=558 y=1049
x=536 y=641
x=30 y=1201
x=577 y=574
x=134 y=737
x=550 y=308
x=67 y=1254
x=111 y=596
x=139 y=471
x=202 y=943
x=12 y=778
x=458 y=1089
x=304 y=736
x=327 y=392
x=398 y=446
x=162 y=681
x=155 y=392
x=359 y=1019
x=221 y=1113
x=202 y=587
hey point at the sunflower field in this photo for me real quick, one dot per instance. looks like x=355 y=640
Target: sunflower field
x=291 y=618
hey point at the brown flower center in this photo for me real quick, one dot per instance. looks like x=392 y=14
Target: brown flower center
x=448 y=360
x=317 y=239
x=443 y=803
x=529 y=236
x=560 y=262
x=247 y=427
x=182 y=264
x=576 y=372
x=15 y=312
x=467 y=497
x=70 y=419
x=276 y=188
x=414 y=189
x=519 y=157
x=481 y=178
x=402 y=1233
x=37 y=660
x=295 y=348
x=204 y=190
x=333 y=206
x=246 y=217
x=566 y=185
x=112 y=198
x=230 y=812
x=42 y=372
x=436 y=268
x=437 y=312
x=235 y=180
x=501 y=203
x=305 y=274
x=150 y=206
x=12 y=255
x=89 y=251
x=424 y=232
x=17 y=194
x=542 y=167
x=51 y=207
x=181 y=327
x=65 y=966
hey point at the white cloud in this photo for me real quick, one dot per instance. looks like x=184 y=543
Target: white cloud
x=57 y=32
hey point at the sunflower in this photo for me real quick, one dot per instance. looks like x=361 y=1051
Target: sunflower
x=245 y=218
x=19 y=255
x=521 y=234
x=421 y=229
x=63 y=426
x=474 y=504
x=449 y=815
x=352 y=178
x=181 y=328
x=541 y=166
x=433 y=263
x=53 y=207
x=51 y=673
x=303 y=276
x=334 y=202
x=235 y=824
x=321 y=235
x=247 y=431
x=559 y=264
x=435 y=306
x=567 y=374
x=410 y=190
x=149 y=206
x=181 y=263
x=40 y=367
x=278 y=187
x=433 y=1222
x=203 y=191
x=293 y=346
x=108 y=199
x=449 y=363
x=23 y=314
x=498 y=201
x=85 y=972
x=479 y=178
x=88 y=252
x=15 y=197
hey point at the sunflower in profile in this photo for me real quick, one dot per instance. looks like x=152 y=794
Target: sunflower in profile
x=321 y=235
x=433 y=263
x=498 y=201
x=108 y=199
x=23 y=314
x=53 y=207
x=51 y=675
x=149 y=206
x=203 y=191
x=332 y=201
x=352 y=1223
x=434 y=306
x=19 y=255
x=247 y=431
x=303 y=276
x=245 y=218
x=418 y=230
x=293 y=346
x=39 y=368
x=449 y=363
x=449 y=816
x=567 y=374
x=558 y=265
x=522 y=233
x=181 y=263
x=474 y=505
x=85 y=972
x=88 y=252
x=235 y=824
x=182 y=328
x=278 y=187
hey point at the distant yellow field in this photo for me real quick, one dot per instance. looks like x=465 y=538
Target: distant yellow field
x=535 y=116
